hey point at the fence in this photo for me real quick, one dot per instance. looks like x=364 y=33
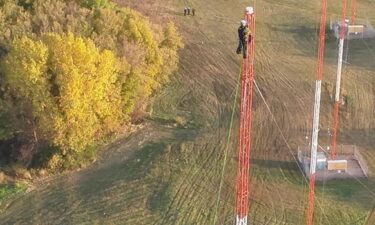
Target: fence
x=362 y=29
x=362 y=162
x=343 y=150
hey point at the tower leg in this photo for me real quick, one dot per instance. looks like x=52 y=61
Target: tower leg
x=241 y=220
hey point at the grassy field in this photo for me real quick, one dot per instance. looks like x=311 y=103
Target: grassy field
x=8 y=190
x=169 y=172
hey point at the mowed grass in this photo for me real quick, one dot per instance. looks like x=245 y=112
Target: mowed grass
x=8 y=190
x=174 y=174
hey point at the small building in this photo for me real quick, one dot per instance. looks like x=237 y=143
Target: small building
x=338 y=165
x=356 y=29
x=362 y=29
x=321 y=161
x=348 y=164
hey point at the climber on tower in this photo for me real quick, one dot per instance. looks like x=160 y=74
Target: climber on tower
x=244 y=36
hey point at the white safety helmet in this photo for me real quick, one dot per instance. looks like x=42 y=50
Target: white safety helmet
x=249 y=10
x=243 y=22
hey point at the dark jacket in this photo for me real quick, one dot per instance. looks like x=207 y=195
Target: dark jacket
x=243 y=33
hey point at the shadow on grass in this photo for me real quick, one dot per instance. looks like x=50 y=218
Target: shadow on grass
x=97 y=193
x=352 y=191
x=88 y=196
x=285 y=165
x=278 y=171
x=359 y=137
x=357 y=192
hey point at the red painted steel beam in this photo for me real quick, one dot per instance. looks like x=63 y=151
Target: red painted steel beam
x=354 y=11
x=319 y=76
x=322 y=33
x=243 y=171
x=310 y=213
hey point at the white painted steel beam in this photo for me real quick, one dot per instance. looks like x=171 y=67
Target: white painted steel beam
x=315 y=133
x=241 y=221
x=339 y=69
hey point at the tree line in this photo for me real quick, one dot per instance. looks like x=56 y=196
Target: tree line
x=74 y=72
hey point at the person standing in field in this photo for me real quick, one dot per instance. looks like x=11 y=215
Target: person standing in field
x=185 y=11
x=193 y=11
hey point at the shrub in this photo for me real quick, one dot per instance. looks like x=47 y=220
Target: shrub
x=97 y=3
x=2 y=177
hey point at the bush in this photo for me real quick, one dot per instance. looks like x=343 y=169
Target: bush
x=20 y=171
x=2 y=177
x=56 y=163
x=11 y=189
x=97 y=3
x=6 y=129
x=80 y=159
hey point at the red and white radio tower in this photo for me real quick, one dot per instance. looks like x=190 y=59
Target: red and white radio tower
x=315 y=133
x=247 y=83
x=343 y=31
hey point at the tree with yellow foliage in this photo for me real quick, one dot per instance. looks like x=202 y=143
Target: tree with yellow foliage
x=74 y=71
x=72 y=87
